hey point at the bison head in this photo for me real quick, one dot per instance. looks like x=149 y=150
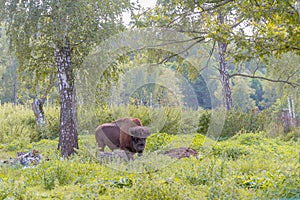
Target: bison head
x=139 y=135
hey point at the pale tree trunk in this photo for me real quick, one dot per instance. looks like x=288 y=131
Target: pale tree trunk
x=37 y=107
x=68 y=138
x=15 y=91
x=14 y=66
x=223 y=70
x=150 y=100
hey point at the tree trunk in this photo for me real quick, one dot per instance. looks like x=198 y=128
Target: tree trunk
x=150 y=100
x=68 y=137
x=15 y=81
x=224 y=76
x=37 y=107
x=15 y=91
x=287 y=120
x=223 y=70
x=298 y=4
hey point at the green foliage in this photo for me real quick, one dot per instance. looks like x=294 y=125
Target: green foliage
x=241 y=93
x=204 y=121
x=24 y=129
x=292 y=135
x=198 y=141
x=11 y=189
x=18 y=126
x=158 y=141
x=275 y=25
x=237 y=120
x=257 y=96
x=172 y=120
x=113 y=113
x=50 y=174
x=246 y=166
x=147 y=188
x=230 y=151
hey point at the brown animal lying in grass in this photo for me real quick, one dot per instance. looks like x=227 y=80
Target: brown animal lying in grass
x=182 y=152
x=126 y=134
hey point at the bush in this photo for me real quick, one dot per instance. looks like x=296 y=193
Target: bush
x=204 y=121
x=18 y=123
x=231 y=152
x=171 y=120
x=198 y=141
x=157 y=141
x=236 y=121
x=292 y=135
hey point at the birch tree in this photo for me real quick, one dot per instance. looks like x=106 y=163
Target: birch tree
x=53 y=37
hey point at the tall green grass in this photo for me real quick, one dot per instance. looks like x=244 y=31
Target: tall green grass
x=246 y=166
x=18 y=126
x=252 y=163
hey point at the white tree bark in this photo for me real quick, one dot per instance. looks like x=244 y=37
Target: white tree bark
x=68 y=137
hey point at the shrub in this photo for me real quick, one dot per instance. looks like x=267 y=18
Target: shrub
x=232 y=152
x=198 y=141
x=236 y=120
x=172 y=120
x=18 y=123
x=50 y=174
x=204 y=121
x=157 y=141
x=292 y=135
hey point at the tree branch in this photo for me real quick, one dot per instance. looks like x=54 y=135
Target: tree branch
x=293 y=84
x=176 y=54
x=207 y=9
x=211 y=53
x=169 y=42
x=216 y=6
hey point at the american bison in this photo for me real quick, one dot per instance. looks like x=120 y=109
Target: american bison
x=126 y=134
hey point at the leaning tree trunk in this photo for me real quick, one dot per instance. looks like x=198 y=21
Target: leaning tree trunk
x=68 y=137
x=37 y=107
x=38 y=104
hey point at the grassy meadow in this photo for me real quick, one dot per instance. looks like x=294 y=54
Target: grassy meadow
x=248 y=165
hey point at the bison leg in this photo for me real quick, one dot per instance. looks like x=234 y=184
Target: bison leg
x=101 y=144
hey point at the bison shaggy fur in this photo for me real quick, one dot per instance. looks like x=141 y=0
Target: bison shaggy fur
x=126 y=134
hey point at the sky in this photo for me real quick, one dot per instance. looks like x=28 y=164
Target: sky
x=147 y=3
x=144 y=3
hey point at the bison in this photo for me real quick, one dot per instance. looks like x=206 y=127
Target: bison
x=126 y=134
